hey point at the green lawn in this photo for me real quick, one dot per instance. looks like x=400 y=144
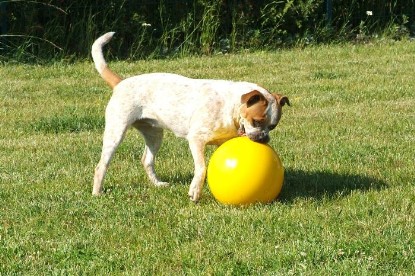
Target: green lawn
x=347 y=144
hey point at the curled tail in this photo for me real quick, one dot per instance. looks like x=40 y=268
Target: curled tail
x=109 y=76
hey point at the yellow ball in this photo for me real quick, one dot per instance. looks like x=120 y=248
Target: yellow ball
x=241 y=172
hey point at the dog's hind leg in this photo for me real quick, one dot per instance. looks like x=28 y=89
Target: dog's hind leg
x=113 y=136
x=153 y=137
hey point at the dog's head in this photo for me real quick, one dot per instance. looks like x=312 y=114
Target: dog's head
x=260 y=114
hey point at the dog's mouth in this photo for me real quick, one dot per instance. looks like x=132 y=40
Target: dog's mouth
x=261 y=136
x=241 y=131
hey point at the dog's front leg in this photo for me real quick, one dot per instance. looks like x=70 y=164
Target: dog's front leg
x=197 y=148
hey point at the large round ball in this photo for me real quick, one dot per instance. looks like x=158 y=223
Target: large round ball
x=241 y=172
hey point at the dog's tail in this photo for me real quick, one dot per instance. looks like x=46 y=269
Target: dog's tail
x=109 y=76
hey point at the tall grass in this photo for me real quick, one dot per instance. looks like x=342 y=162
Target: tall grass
x=161 y=28
x=209 y=26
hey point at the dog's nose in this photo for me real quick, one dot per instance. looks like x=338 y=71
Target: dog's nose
x=262 y=137
x=265 y=139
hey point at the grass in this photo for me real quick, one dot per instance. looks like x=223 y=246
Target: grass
x=347 y=143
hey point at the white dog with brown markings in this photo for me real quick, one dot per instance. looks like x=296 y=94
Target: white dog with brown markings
x=203 y=111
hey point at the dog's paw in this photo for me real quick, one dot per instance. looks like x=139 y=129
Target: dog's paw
x=161 y=184
x=97 y=192
x=194 y=195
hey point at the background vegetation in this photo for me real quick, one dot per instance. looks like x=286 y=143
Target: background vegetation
x=56 y=29
x=347 y=206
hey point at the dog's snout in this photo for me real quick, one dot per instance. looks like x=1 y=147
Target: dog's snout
x=264 y=139
x=260 y=137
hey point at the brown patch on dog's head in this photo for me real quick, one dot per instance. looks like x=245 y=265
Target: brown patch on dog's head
x=260 y=113
x=254 y=106
x=254 y=119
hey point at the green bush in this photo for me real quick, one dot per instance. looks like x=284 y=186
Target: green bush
x=33 y=31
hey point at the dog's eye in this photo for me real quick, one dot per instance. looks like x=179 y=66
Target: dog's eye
x=257 y=123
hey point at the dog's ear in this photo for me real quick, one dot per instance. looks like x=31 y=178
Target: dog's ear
x=281 y=100
x=254 y=105
x=252 y=98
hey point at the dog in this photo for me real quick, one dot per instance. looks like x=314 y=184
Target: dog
x=203 y=111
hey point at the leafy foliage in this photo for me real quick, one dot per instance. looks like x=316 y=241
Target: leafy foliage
x=34 y=30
